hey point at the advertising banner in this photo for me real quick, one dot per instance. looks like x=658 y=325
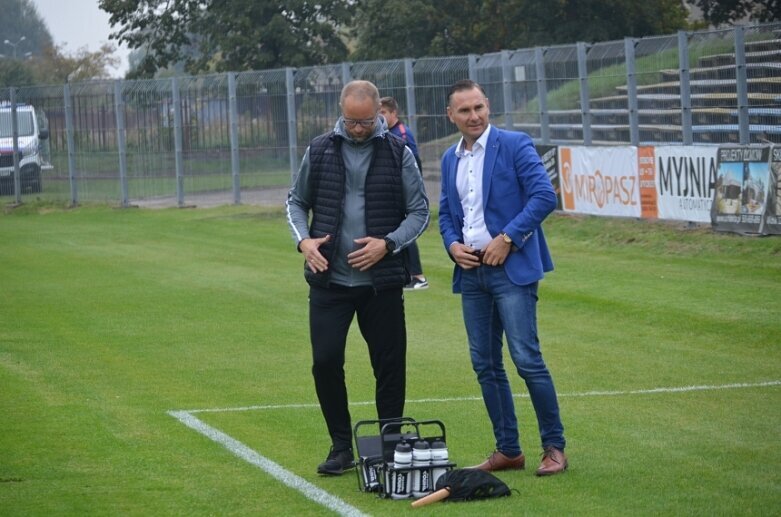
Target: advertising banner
x=646 y=173
x=600 y=180
x=685 y=180
x=550 y=159
x=773 y=212
x=741 y=190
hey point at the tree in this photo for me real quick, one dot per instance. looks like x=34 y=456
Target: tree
x=719 y=12
x=53 y=66
x=233 y=35
x=607 y=20
x=394 y=28
x=38 y=61
x=411 y=28
x=20 y=19
x=14 y=73
x=56 y=67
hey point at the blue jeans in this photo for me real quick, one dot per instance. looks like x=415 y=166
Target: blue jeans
x=494 y=306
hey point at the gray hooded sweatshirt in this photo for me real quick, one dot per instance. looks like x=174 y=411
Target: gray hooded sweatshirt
x=357 y=158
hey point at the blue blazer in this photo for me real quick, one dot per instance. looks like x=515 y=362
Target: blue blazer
x=517 y=196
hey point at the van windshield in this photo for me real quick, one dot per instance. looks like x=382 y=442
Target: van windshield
x=25 y=120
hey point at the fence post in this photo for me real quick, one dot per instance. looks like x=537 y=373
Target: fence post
x=15 y=146
x=542 y=94
x=742 y=85
x=119 y=109
x=585 y=108
x=409 y=81
x=686 y=100
x=507 y=97
x=631 y=91
x=347 y=75
x=178 y=142
x=292 y=133
x=472 y=63
x=233 y=116
x=66 y=93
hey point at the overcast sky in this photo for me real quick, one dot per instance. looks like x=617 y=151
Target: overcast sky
x=80 y=23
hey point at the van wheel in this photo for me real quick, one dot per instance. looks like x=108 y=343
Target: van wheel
x=32 y=182
x=35 y=185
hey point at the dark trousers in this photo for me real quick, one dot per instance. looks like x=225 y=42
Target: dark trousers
x=413 y=259
x=381 y=321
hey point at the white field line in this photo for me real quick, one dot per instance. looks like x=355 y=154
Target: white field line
x=283 y=475
x=339 y=506
x=649 y=391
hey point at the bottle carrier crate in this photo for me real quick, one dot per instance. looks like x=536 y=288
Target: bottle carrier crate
x=378 y=471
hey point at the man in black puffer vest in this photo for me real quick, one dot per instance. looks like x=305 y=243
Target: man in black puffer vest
x=367 y=203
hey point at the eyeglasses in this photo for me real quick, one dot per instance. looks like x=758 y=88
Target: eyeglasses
x=366 y=122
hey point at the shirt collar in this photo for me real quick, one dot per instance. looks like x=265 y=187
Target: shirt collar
x=482 y=142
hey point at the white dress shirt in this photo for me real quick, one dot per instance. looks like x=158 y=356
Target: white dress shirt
x=469 y=183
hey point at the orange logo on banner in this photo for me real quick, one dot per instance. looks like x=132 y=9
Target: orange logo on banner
x=567 y=179
x=646 y=170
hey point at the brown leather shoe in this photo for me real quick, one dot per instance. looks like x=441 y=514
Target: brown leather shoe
x=498 y=461
x=554 y=461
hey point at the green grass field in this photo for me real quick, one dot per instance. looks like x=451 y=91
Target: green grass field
x=663 y=342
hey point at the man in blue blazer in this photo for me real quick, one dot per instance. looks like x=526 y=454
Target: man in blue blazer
x=495 y=194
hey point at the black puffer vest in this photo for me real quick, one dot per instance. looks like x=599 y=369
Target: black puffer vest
x=385 y=208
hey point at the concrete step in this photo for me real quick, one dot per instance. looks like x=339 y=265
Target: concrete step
x=753 y=70
x=698 y=100
x=619 y=116
x=763 y=45
x=767 y=56
x=754 y=85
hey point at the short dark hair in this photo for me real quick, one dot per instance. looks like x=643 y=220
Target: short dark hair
x=463 y=85
x=390 y=104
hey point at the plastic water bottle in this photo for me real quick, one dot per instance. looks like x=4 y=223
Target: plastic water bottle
x=370 y=469
x=400 y=474
x=421 y=476
x=439 y=458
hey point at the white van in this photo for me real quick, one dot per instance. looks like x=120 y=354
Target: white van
x=32 y=134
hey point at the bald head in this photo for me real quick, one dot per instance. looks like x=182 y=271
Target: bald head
x=361 y=91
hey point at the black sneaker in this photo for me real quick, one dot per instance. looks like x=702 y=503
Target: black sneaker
x=337 y=462
x=416 y=284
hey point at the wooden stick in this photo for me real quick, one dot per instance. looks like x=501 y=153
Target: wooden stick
x=442 y=493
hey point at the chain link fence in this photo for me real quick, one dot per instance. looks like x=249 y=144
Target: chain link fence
x=172 y=139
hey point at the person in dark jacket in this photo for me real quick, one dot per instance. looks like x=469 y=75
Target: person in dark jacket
x=367 y=203
x=389 y=109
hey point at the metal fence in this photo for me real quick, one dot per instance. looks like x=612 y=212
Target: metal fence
x=126 y=141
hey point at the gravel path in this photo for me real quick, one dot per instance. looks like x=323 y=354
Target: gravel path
x=261 y=197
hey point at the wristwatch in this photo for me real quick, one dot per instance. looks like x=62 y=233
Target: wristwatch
x=389 y=244
x=506 y=238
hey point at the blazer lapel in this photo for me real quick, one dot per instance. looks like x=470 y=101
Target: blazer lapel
x=452 y=189
x=491 y=152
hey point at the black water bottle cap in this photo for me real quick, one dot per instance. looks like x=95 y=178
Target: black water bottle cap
x=403 y=446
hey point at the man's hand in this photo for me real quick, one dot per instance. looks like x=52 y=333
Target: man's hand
x=311 y=250
x=372 y=250
x=496 y=252
x=464 y=255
